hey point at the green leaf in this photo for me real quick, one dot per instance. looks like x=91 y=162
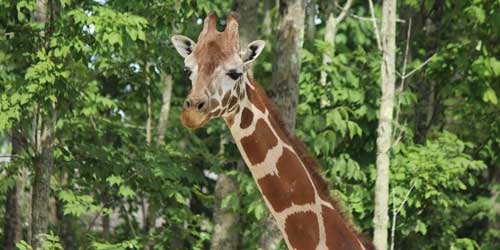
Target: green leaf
x=490 y=96
x=23 y=245
x=114 y=180
x=421 y=227
x=260 y=211
x=126 y=191
x=179 y=198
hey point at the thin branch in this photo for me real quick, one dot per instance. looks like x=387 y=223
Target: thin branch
x=406 y=198
x=405 y=61
x=129 y=222
x=400 y=135
x=396 y=212
x=362 y=18
x=419 y=67
x=375 y=26
x=344 y=12
x=92 y=222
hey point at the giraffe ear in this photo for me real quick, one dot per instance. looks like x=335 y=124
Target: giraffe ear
x=253 y=51
x=183 y=45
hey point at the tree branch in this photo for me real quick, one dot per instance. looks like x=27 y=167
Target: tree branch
x=375 y=26
x=402 y=84
x=344 y=12
x=418 y=68
x=362 y=18
x=396 y=212
x=129 y=222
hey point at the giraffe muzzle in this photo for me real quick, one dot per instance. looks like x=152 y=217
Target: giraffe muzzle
x=195 y=113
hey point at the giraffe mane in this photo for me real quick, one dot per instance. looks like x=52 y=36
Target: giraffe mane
x=311 y=163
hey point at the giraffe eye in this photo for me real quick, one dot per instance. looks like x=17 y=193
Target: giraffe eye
x=187 y=71
x=234 y=75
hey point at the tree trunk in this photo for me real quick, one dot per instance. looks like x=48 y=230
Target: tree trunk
x=44 y=159
x=384 y=129
x=165 y=108
x=311 y=26
x=247 y=9
x=225 y=235
x=13 y=227
x=150 y=219
x=271 y=235
x=268 y=6
x=330 y=33
x=286 y=60
x=43 y=165
x=29 y=236
x=285 y=83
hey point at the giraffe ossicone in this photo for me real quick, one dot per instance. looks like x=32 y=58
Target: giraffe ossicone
x=222 y=87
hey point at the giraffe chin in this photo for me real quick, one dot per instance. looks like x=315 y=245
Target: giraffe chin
x=193 y=119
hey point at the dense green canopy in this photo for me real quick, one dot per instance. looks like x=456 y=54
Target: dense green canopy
x=99 y=70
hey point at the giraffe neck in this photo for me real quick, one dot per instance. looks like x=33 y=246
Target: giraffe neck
x=305 y=216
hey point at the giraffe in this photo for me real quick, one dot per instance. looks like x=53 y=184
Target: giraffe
x=222 y=86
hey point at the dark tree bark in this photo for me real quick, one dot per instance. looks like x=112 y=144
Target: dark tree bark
x=247 y=11
x=43 y=164
x=225 y=235
x=44 y=158
x=284 y=89
x=13 y=228
x=286 y=60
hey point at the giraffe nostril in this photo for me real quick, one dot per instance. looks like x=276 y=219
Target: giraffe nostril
x=201 y=106
x=187 y=104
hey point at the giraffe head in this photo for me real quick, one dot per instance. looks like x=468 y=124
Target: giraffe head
x=217 y=70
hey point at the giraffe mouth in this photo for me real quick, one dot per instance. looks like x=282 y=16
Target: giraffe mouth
x=193 y=119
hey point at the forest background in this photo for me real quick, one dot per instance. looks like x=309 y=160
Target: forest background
x=93 y=154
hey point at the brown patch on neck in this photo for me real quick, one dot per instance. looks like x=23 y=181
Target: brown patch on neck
x=259 y=142
x=338 y=234
x=246 y=118
x=291 y=185
x=302 y=230
x=258 y=98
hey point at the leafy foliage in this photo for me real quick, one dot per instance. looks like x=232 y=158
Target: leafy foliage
x=96 y=63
